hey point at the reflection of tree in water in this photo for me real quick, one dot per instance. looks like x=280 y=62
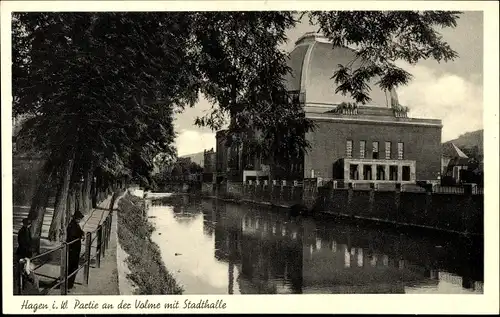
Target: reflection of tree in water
x=268 y=262
x=185 y=208
x=209 y=209
x=274 y=262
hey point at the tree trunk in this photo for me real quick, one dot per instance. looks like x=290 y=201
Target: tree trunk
x=78 y=197
x=61 y=202
x=87 y=184
x=272 y=169
x=70 y=209
x=93 y=193
x=39 y=203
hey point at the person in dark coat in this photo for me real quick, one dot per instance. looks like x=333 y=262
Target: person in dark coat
x=24 y=248
x=74 y=232
x=24 y=241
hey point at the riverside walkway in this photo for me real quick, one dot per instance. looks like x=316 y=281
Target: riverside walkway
x=102 y=280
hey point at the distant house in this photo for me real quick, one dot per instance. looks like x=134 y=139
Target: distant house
x=209 y=166
x=453 y=162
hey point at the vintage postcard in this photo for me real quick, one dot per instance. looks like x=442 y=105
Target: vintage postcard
x=260 y=157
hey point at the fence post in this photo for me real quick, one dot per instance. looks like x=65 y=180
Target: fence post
x=106 y=230
x=88 y=246
x=110 y=223
x=104 y=237
x=64 y=269
x=19 y=276
x=98 y=246
x=109 y=230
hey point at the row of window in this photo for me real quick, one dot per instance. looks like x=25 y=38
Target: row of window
x=375 y=150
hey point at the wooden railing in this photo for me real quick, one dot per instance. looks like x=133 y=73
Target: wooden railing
x=102 y=233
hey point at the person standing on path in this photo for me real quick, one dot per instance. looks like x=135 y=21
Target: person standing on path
x=24 y=249
x=74 y=232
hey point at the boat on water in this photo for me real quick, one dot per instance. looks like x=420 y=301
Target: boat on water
x=152 y=195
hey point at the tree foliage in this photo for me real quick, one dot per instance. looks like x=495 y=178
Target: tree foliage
x=105 y=86
x=86 y=79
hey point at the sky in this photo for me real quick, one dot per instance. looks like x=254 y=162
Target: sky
x=451 y=91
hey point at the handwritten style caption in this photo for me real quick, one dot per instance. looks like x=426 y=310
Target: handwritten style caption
x=88 y=305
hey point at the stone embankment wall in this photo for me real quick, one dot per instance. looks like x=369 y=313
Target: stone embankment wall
x=461 y=211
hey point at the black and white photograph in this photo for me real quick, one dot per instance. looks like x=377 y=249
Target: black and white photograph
x=204 y=152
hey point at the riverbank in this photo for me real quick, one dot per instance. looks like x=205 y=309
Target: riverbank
x=147 y=270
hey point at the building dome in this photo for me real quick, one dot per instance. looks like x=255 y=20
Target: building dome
x=313 y=62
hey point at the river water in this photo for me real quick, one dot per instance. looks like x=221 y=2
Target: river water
x=213 y=247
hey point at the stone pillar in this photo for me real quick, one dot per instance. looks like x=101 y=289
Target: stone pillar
x=400 y=173
x=349 y=197
x=360 y=171
x=332 y=195
x=386 y=172
x=428 y=202
x=346 y=171
x=397 y=200
x=413 y=172
x=374 y=172
x=467 y=209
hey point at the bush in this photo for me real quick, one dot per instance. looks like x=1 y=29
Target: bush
x=147 y=269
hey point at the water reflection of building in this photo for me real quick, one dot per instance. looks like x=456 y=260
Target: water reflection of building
x=272 y=254
x=276 y=255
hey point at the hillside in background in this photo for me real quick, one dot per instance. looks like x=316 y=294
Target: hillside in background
x=196 y=158
x=471 y=143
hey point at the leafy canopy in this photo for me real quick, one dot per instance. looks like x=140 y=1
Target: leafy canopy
x=106 y=85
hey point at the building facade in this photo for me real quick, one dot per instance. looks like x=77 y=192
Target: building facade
x=376 y=142
x=209 y=165
x=373 y=145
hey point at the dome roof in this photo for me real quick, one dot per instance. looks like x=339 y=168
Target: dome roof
x=313 y=62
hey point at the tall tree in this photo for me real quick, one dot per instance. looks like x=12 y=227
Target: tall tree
x=106 y=64
x=90 y=81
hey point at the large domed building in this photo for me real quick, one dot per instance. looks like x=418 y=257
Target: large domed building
x=360 y=144
x=313 y=62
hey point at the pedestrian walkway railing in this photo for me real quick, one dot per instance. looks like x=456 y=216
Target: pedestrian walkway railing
x=101 y=235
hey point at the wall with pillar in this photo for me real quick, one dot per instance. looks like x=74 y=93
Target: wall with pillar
x=446 y=211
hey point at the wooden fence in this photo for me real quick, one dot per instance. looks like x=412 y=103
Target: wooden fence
x=102 y=234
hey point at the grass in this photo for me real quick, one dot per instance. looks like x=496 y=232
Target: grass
x=148 y=271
